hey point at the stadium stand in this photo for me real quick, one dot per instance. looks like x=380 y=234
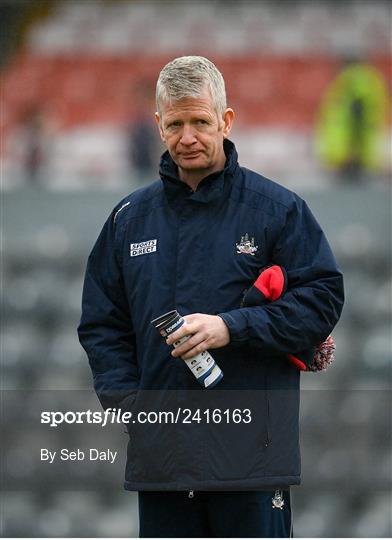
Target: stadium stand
x=81 y=64
x=78 y=65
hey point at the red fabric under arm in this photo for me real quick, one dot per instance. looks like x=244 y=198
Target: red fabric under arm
x=271 y=282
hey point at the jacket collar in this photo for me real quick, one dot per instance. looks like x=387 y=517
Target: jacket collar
x=211 y=188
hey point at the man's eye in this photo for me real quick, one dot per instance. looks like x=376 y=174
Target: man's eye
x=202 y=122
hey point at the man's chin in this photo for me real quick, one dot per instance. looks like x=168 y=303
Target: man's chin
x=192 y=164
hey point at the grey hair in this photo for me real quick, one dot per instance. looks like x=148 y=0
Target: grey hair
x=188 y=76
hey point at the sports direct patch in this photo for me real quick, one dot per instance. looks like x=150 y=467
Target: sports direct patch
x=142 y=248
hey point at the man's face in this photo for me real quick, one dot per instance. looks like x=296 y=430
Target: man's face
x=193 y=134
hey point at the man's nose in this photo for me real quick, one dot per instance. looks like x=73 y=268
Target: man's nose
x=187 y=135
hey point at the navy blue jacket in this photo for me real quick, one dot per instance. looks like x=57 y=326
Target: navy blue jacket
x=199 y=265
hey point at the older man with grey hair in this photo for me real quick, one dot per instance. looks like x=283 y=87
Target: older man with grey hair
x=194 y=241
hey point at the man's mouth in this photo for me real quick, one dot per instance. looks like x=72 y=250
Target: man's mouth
x=190 y=155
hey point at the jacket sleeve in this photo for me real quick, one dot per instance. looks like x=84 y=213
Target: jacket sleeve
x=105 y=329
x=306 y=314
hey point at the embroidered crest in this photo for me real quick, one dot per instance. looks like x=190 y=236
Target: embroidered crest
x=247 y=245
x=277 y=500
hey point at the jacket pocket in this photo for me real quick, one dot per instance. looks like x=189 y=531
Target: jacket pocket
x=153 y=445
x=236 y=437
x=282 y=456
x=128 y=405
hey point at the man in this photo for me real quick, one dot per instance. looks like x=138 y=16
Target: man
x=210 y=226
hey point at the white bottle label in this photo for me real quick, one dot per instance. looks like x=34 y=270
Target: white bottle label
x=198 y=364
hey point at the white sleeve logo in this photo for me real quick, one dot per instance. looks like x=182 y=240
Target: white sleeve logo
x=142 y=248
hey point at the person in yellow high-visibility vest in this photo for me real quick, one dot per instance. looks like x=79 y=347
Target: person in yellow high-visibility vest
x=351 y=127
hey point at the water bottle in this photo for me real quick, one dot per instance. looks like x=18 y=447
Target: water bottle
x=203 y=366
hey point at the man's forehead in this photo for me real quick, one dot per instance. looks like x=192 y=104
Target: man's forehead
x=201 y=101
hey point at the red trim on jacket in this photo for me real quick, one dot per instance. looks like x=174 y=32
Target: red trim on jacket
x=300 y=365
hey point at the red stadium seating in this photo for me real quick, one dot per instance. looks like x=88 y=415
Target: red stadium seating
x=265 y=91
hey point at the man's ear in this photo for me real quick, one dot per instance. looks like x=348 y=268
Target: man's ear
x=158 y=121
x=228 y=119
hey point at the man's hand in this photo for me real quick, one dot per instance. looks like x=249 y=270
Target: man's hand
x=207 y=332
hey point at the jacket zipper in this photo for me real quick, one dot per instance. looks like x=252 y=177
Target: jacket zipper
x=267 y=411
x=268 y=436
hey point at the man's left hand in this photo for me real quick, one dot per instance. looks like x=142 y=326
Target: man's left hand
x=207 y=332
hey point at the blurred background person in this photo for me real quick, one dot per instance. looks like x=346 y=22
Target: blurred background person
x=34 y=136
x=143 y=143
x=352 y=122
